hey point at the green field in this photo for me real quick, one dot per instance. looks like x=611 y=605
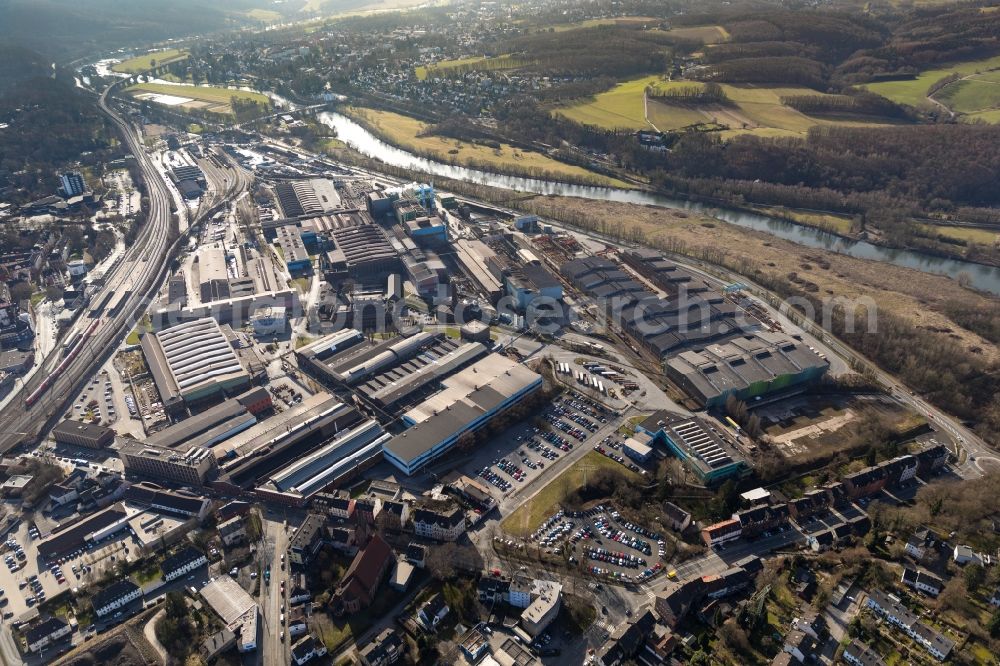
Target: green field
x=265 y=15
x=706 y=34
x=914 y=91
x=970 y=95
x=619 y=108
x=527 y=517
x=146 y=62
x=206 y=98
x=753 y=110
x=968 y=234
x=481 y=63
x=594 y=23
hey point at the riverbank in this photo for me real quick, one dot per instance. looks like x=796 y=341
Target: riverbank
x=410 y=134
x=979 y=276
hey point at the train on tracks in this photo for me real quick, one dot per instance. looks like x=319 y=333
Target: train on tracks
x=71 y=353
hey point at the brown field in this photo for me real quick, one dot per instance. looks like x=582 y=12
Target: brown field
x=707 y=34
x=911 y=294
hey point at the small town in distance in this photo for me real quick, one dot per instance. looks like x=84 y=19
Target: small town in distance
x=269 y=403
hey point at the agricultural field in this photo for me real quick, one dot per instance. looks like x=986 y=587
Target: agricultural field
x=706 y=34
x=914 y=91
x=619 y=108
x=206 y=98
x=593 y=23
x=146 y=62
x=967 y=234
x=407 y=132
x=264 y=15
x=971 y=95
x=477 y=62
x=754 y=110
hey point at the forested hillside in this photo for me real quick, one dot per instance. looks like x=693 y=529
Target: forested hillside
x=49 y=122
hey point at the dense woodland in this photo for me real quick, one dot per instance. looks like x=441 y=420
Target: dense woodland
x=50 y=123
x=850 y=169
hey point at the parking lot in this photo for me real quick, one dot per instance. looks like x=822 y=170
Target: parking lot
x=30 y=581
x=96 y=403
x=572 y=419
x=604 y=543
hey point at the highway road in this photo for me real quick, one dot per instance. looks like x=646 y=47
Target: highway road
x=144 y=265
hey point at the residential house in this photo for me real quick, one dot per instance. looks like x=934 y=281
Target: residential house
x=800 y=645
x=931 y=458
x=361 y=581
x=432 y=612
x=922 y=581
x=890 y=608
x=865 y=483
x=343 y=539
x=761 y=518
x=675 y=517
x=366 y=510
x=813 y=502
x=45 y=633
x=721 y=533
x=338 y=505
x=386 y=648
x=393 y=515
x=306 y=540
x=306 y=649
x=445 y=524
x=493 y=589
x=416 y=555
x=115 y=596
x=297 y=621
x=921 y=544
x=810 y=623
x=900 y=469
x=995 y=598
x=299 y=591
x=181 y=563
x=626 y=641
x=964 y=555
x=730 y=581
x=859 y=654
x=232 y=531
x=676 y=599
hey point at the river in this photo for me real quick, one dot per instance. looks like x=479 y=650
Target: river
x=984 y=278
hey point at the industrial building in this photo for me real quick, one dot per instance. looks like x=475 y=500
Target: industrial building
x=237 y=609
x=307 y=197
x=662 y=325
x=90 y=435
x=254 y=456
x=470 y=399
x=192 y=361
x=663 y=273
x=363 y=360
x=349 y=450
x=293 y=249
x=361 y=252
x=192 y=467
x=215 y=424
x=702 y=449
x=479 y=261
x=401 y=383
x=748 y=368
x=531 y=280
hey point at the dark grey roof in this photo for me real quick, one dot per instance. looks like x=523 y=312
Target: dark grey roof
x=113 y=592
